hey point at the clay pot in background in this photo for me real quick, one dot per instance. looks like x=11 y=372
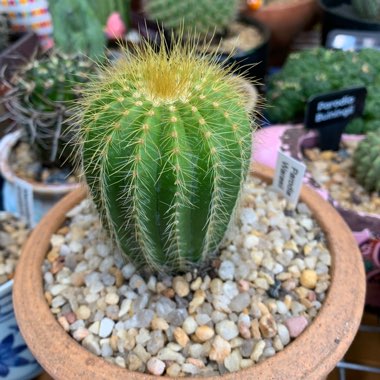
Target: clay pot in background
x=285 y=21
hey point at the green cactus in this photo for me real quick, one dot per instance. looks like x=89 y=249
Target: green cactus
x=77 y=28
x=40 y=98
x=165 y=147
x=4 y=32
x=198 y=16
x=317 y=71
x=369 y=9
x=367 y=162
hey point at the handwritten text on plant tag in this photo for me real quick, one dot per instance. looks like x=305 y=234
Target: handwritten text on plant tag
x=288 y=177
x=25 y=203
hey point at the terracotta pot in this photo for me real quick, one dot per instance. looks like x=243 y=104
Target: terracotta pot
x=365 y=226
x=285 y=21
x=311 y=356
x=44 y=196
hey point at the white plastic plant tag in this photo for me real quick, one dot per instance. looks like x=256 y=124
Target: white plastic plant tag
x=25 y=203
x=288 y=177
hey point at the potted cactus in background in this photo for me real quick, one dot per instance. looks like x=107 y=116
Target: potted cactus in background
x=320 y=70
x=37 y=102
x=366 y=162
x=358 y=15
x=165 y=144
x=240 y=42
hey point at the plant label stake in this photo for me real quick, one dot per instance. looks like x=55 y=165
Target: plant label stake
x=288 y=177
x=25 y=203
x=329 y=113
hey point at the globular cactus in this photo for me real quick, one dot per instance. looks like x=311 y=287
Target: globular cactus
x=367 y=162
x=40 y=99
x=4 y=32
x=369 y=9
x=165 y=146
x=200 y=16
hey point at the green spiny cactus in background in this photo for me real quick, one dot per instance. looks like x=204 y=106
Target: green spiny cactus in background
x=77 y=28
x=4 y=32
x=317 y=71
x=367 y=162
x=369 y=9
x=103 y=9
x=40 y=99
x=165 y=146
x=200 y=16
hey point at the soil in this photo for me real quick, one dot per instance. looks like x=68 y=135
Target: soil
x=240 y=37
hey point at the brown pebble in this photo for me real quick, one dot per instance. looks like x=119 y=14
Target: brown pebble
x=180 y=336
x=57 y=265
x=63 y=230
x=119 y=279
x=48 y=297
x=113 y=342
x=204 y=333
x=53 y=255
x=255 y=329
x=268 y=326
x=169 y=293
x=77 y=278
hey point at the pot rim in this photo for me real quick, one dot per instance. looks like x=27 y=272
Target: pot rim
x=6 y=145
x=311 y=356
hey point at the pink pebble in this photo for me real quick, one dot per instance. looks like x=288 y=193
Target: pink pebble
x=243 y=285
x=70 y=317
x=296 y=325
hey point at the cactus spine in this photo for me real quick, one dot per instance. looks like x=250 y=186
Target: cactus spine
x=367 y=162
x=198 y=16
x=369 y=9
x=165 y=144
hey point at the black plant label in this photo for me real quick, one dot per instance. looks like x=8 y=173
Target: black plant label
x=330 y=113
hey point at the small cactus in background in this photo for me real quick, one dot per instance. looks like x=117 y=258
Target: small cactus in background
x=369 y=9
x=200 y=16
x=165 y=146
x=77 y=28
x=4 y=32
x=39 y=102
x=367 y=162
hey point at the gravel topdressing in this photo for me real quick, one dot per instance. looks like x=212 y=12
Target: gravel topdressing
x=260 y=292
